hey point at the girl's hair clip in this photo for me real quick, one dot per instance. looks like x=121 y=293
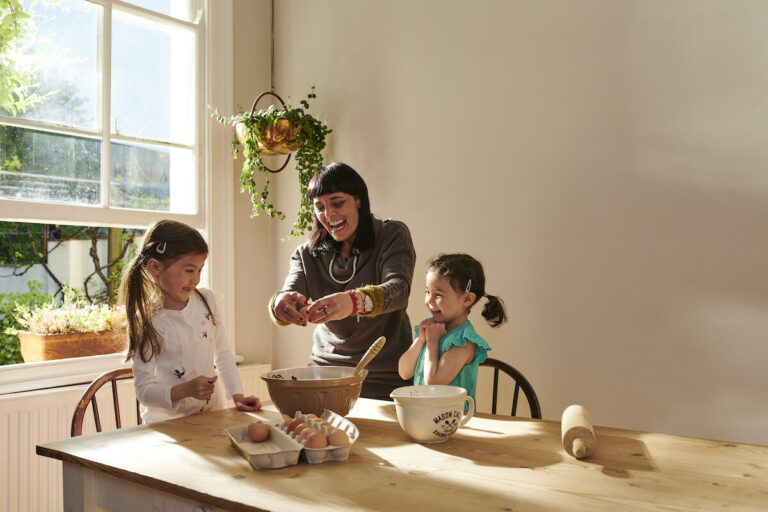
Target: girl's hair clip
x=469 y=286
x=160 y=248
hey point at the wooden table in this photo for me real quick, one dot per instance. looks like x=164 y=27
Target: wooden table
x=494 y=463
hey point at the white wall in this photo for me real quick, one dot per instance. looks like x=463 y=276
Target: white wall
x=605 y=160
x=253 y=237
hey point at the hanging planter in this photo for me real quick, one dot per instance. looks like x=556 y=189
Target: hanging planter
x=279 y=130
x=279 y=139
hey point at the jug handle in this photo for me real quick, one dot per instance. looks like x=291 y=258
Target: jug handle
x=471 y=412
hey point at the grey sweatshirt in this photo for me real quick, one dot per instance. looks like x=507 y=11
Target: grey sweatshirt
x=388 y=264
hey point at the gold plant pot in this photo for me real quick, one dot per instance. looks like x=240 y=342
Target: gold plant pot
x=279 y=139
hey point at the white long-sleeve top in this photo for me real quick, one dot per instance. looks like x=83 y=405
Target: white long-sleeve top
x=191 y=346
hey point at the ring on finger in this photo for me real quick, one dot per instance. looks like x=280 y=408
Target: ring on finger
x=324 y=310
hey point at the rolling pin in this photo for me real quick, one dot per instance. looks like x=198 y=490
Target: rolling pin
x=578 y=434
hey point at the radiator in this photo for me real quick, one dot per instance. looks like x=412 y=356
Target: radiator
x=30 y=483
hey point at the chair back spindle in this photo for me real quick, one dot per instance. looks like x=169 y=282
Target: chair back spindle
x=89 y=397
x=521 y=384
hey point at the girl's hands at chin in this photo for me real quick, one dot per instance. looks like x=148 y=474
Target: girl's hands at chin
x=435 y=331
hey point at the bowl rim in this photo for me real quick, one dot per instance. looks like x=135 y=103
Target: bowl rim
x=314 y=383
x=451 y=392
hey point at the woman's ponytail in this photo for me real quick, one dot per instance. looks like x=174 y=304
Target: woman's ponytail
x=494 y=311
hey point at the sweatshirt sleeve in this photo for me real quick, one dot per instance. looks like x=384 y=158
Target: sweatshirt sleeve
x=296 y=280
x=397 y=260
x=149 y=390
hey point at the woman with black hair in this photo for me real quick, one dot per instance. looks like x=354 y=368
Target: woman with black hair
x=352 y=278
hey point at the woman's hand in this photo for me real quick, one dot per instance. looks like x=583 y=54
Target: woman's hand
x=292 y=308
x=336 y=306
x=246 y=403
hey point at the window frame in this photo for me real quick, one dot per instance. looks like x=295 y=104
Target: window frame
x=215 y=212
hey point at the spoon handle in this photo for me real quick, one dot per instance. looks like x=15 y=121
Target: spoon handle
x=369 y=354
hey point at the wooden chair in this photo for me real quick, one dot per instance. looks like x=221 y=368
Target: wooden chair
x=90 y=396
x=521 y=383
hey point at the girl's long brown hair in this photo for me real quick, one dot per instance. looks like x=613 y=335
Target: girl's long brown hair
x=166 y=241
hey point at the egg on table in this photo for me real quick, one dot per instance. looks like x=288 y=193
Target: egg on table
x=257 y=431
x=301 y=427
x=338 y=438
x=295 y=422
x=316 y=440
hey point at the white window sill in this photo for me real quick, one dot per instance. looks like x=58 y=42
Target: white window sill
x=62 y=372
x=51 y=374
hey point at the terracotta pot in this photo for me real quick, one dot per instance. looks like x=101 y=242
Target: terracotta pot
x=279 y=139
x=45 y=347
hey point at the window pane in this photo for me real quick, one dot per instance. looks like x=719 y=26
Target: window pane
x=182 y=9
x=57 y=59
x=153 y=80
x=151 y=178
x=37 y=259
x=49 y=167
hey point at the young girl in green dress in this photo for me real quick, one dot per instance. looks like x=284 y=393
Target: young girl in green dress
x=447 y=350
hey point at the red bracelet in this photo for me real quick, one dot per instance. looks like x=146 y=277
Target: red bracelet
x=354 y=302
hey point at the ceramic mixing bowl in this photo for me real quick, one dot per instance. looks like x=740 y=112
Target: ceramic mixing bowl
x=312 y=389
x=431 y=414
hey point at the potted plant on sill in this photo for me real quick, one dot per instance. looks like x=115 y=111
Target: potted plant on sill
x=278 y=131
x=74 y=329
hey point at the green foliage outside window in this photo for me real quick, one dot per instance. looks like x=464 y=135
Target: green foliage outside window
x=23 y=243
x=15 y=86
x=10 y=350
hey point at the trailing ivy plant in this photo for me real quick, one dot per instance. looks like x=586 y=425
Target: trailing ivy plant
x=310 y=141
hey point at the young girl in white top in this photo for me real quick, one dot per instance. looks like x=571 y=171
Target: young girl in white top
x=176 y=339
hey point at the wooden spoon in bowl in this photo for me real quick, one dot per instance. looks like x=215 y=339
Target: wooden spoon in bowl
x=369 y=354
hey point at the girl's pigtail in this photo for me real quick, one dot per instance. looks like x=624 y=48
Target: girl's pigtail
x=494 y=312
x=136 y=292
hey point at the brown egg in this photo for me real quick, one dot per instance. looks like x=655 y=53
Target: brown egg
x=258 y=431
x=295 y=422
x=286 y=419
x=305 y=433
x=316 y=440
x=301 y=427
x=312 y=416
x=338 y=438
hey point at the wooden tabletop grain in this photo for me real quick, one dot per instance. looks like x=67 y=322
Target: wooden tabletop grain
x=493 y=463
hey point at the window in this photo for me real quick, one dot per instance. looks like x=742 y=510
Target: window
x=106 y=111
x=106 y=126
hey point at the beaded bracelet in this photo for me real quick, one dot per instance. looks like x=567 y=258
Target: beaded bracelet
x=352 y=295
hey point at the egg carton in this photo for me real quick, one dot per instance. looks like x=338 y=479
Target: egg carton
x=329 y=453
x=277 y=451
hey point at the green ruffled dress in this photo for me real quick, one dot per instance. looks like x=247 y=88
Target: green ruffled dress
x=467 y=377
